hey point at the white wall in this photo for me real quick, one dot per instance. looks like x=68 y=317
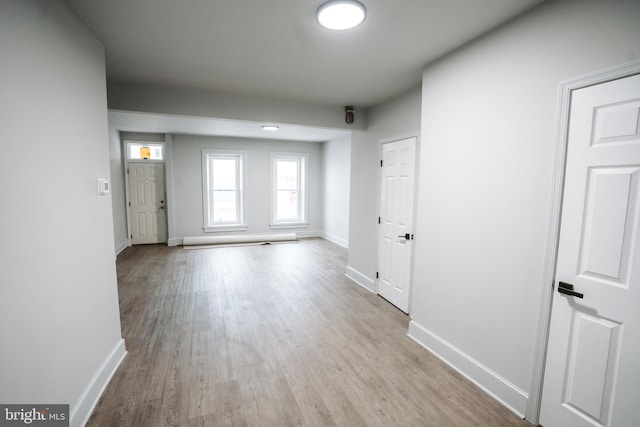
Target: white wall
x=59 y=320
x=336 y=166
x=488 y=134
x=394 y=119
x=119 y=208
x=187 y=182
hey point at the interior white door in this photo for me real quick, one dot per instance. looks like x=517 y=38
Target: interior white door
x=592 y=375
x=396 y=221
x=147 y=206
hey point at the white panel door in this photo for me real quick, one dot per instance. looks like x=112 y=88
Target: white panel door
x=146 y=199
x=592 y=375
x=396 y=221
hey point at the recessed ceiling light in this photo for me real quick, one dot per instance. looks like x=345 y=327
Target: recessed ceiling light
x=270 y=127
x=341 y=14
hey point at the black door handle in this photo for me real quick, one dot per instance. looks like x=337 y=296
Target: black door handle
x=567 y=289
x=406 y=236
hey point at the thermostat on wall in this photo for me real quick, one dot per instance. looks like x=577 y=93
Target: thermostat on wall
x=103 y=186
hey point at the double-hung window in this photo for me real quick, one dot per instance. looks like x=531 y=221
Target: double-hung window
x=223 y=178
x=289 y=184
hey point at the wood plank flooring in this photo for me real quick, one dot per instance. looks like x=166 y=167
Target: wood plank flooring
x=273 y=336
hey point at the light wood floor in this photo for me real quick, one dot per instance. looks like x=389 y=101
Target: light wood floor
x=273 y=336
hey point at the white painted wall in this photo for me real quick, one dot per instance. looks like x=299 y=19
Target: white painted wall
x=118 y=202
x=336 y=166
x=394 y=119
x=59 y=319
x=187 y=182
x=488 y=133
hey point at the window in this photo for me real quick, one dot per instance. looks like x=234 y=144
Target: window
x=223 y=189
x=145 y=151
x=289 y=189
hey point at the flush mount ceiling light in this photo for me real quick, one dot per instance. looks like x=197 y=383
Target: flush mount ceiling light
x=270 y=127
x=341 y=14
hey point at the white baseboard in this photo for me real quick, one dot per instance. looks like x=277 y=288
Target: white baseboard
x=362 y=280
x=335 y=239
x=176 y=241
x=122 y=246
x=82 y=409
x=514 y=398
x=307 y=233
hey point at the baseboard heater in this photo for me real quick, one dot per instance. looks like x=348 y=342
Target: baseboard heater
x=239 y=239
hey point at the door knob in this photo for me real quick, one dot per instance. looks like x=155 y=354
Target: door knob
x=567 y=289
x=406 y=236
x=161 y=207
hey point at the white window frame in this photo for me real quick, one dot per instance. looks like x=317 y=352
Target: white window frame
x=303 y=202
x=129 y=143
x=240 y=157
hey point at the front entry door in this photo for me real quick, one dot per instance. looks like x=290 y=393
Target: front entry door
x=592 y=375
x=147 y=206
x=396 y=221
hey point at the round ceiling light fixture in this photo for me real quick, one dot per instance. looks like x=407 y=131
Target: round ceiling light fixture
x=341 y=14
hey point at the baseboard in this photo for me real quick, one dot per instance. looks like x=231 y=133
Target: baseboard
x=82 y=409
x=122 y=246
x=307 y=233
x=362 y=280
x=176 y=241
x=335 y=239
x=493 y=384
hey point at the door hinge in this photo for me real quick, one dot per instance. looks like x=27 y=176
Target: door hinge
x=380 y=163
x=129 y=204
x=377 y=275
x=127 y=171
x=378 y=220
x=131 y=236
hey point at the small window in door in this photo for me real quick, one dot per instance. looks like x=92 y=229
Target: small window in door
x=143 y=151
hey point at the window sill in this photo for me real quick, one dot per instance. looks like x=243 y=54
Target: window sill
x=283 y=225
x=224 y=228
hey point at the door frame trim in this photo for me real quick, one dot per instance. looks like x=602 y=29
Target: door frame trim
x=565 y=90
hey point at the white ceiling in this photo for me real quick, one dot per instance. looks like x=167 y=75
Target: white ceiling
x=275 y=48
x=167 y=123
